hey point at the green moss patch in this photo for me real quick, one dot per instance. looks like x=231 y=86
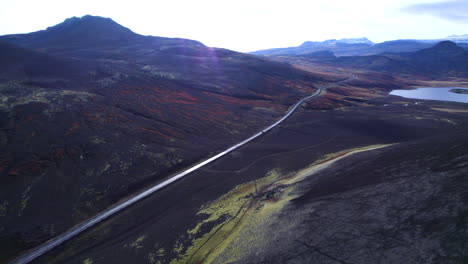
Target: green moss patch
x=238 y=219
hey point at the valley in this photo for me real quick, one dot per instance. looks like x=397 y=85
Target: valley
x=262 y=182
x=334 y=168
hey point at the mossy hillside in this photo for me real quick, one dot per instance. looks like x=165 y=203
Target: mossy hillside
x=328 y=159
x=223 y=217
x=238 y=219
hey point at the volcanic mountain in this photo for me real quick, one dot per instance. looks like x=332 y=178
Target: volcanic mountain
x=74 y=33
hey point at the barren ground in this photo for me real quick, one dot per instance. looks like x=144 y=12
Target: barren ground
x=383 y=193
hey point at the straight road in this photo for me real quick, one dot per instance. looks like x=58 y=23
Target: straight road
x=49 y=245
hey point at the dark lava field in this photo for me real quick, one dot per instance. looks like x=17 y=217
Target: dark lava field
x=401 y=203
x=92 y=113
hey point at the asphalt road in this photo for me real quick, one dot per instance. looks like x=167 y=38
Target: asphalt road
x=42 y=249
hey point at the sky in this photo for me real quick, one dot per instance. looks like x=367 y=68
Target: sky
x=249 y=25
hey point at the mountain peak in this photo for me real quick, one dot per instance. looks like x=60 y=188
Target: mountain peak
x=446 y=45
x=445 y=48
x=91 y=27
x=87 y=18
x=363 y=40
x=77 y=32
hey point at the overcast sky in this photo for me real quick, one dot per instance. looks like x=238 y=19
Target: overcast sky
x=248 y=25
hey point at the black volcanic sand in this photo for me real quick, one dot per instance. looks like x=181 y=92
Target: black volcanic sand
x=156 y=228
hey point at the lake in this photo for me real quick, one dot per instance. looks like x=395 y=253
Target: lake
x=432 y=93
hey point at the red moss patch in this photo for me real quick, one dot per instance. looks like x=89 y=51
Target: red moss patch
x=28 y=168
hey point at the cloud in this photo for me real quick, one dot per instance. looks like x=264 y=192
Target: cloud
x=454 y=10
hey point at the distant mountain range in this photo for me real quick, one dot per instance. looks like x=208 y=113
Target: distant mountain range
x=361 y=46
x=444 y=59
